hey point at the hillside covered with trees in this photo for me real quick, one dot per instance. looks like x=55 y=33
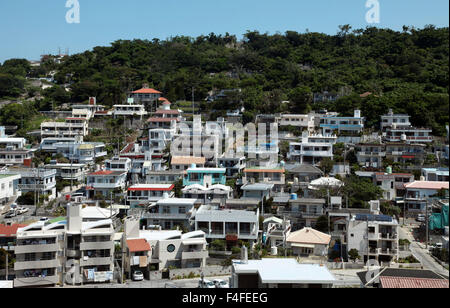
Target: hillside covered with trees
x=404 y=70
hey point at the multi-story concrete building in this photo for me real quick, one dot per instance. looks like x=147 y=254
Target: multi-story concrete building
x=227 y=224
x=148 y=250
x=235 y=165
x=75 y=172
x=302 y=121
x=146 y=194
x=418 y=193
x=408 y=134
x=40 y=180
x=402 y=152
x=392 y=184
x=204 y=176
x=146 y=96
x=105 y=183
x=118 y=164
x=170 y=212
x=265 y=174
x=390 y=119
x=436 y=174
x=206 y=194
x=312 y=149
x=8 y=187
x=349 y=125
x=42 y=250
x=81 y=152
x=72 y=127
x=374 y=236
x=129 y=111
x=370 y=154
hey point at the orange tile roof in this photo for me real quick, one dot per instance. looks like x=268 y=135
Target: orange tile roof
x=186 y=160
x=138 y=245
x=146 y=91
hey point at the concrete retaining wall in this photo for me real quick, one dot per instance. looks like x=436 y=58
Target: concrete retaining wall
x=207 y=271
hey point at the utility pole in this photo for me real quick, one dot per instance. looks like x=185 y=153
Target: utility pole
x=426 y=224
x=7 y=263
x=193 y=108
x=367 y=232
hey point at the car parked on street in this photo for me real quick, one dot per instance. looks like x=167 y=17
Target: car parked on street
x=221 y=284
x=206 y=284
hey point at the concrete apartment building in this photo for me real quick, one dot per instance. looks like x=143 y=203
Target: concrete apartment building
x=390 y=119
x=146 y=96
x=370 y=155
x=408 y=134
x=42 y=250
x=38 y=180
x=302 y=121
x=227 y=224
x=75 y=172
x=72 y=127
x=436 y=174
x=154 y=250
x=8 y=188
x=105 y=182
x=170 y=212
x=374 y=236
x=234 y=165
x=146 y=194
x=349 y=125
x=312 y=149
x=418 y=192
x=13 y=151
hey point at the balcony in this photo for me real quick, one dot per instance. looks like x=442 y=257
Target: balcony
x=36 y=248
x=202 y=254
x=35 y=281
x=104 y=185
x=388 y=236
x=387 y=251
x=166 y=216
x=96 y=261
x=23 y=265
x=96 y=245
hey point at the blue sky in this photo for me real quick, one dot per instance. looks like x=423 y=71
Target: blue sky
x=29 y=28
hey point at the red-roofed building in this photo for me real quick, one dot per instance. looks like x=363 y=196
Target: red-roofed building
x=144 y=194
x=104 y=182
x=8 y=236
x=146 y=96
x=388 y=282
x=138 y=245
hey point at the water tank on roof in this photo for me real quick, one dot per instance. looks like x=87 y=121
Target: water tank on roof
x=403 y=137
x=193 y=166
x=389 y=170
x=282 y=163
x=294 y=197
x=422 y=178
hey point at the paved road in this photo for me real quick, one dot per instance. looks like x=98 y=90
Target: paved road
x=420 y=253
x=182 y=283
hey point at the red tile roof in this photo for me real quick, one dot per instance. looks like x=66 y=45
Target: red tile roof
x=412 y=283
x=8 y=231
x=138 y=245
x=162 y=111
x=162 y=119
x=146 y=91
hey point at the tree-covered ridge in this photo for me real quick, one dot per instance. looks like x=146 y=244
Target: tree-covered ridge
x=404 y=70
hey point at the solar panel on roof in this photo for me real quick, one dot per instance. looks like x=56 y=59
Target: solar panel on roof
x=370 y=217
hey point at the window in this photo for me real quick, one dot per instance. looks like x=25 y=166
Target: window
x=171 y=248
x=182 y=210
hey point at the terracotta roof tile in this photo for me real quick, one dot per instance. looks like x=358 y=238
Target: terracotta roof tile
x=413 y=283
x=138 y=245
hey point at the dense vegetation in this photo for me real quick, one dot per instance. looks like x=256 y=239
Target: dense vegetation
x=405 y=70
